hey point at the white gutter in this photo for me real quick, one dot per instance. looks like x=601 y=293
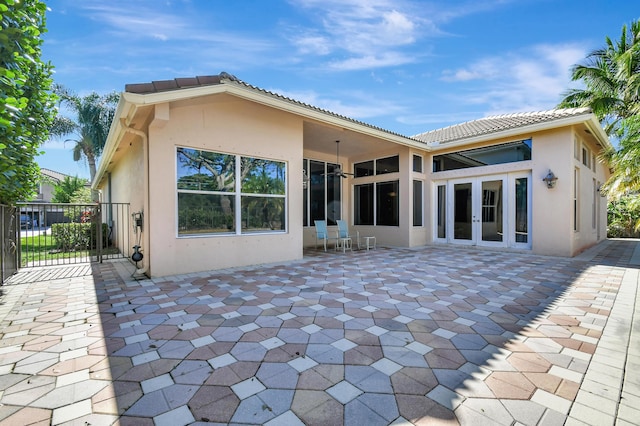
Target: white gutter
x=113 y=139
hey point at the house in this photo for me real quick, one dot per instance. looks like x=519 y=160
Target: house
x=36 y=213
x=223 y=174
x=46 y=188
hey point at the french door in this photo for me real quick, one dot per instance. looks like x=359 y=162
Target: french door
x=485 y=211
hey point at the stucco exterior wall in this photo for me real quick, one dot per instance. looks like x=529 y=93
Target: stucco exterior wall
x=125 y=184
x=230 y=125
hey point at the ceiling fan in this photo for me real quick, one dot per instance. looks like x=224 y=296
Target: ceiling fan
x=337 y=171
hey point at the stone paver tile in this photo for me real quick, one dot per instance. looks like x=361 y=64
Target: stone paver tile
x=510 y=385
x=176 y=417
x=551 y=401
x=529 y=362
x=421 y=410
x=263 y=407
x=445 y=397
x=287 y=418
x=317 y=408
x=214 y=404
x=248 y=387
x=70 y=412
x=525 y=412
x=344 y=392
x=491 y=408
x=29 y=416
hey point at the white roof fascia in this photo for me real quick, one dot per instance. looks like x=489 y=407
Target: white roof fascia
x=547 y=125
x=598 y=132
x=113 y=139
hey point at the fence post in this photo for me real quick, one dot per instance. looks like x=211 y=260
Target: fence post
x=99 y=232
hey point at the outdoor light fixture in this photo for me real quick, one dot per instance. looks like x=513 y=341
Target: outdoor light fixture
x=601 y=191
x=550 y=179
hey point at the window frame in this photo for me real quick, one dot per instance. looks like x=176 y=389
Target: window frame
x=375 y=203
x=237 y=196
x=375 y=168
x=308 y=218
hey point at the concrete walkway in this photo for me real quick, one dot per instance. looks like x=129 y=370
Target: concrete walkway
x=435 y=335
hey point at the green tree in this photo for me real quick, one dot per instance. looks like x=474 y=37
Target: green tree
x=611 y=76
x=27 y=107
x=71 y=190
x=90 y=128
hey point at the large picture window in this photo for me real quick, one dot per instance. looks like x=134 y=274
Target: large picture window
x=385 y=209
x=229 y=194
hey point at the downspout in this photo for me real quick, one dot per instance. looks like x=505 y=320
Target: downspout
x=145 y=150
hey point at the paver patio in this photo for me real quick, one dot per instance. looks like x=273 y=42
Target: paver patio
x=435 y=335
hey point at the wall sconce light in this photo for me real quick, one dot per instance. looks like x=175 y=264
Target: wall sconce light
x=305 y=179
x=550 y=179
x=601 y=191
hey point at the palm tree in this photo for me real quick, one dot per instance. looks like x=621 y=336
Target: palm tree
x=611 y=76
x=90 y=129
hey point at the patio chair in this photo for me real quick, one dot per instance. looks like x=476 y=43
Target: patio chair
x=322 y=233
x=344 y=238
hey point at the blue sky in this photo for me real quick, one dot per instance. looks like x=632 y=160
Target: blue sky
x=404 y=65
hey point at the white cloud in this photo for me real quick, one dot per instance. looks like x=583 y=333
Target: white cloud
x=362 y=34
x=360 y=106
x=530 y=79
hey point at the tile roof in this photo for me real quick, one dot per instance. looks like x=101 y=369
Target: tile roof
x=497 y=123
x=57 y=176
x=226 y=78
x=469 y=129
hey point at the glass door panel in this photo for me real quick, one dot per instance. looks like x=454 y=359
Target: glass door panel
x=441 y=214
x=521 y=210
x=492 y=211
x=462 y=211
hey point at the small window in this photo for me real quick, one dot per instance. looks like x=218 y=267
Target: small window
x=363 y=169
x=586 y=157
x=593 y=162
x=576 y=189
x=417 y=163
x=417 y=203
x=576 y=148
x=388 y=165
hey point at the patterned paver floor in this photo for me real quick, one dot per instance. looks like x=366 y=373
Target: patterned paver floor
x=434 y=335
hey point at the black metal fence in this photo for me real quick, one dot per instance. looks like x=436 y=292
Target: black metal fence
x=64 y=234
x=8 y=245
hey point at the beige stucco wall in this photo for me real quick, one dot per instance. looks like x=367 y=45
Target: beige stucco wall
x=230 y=125
x=127 y=186
x=552 y=230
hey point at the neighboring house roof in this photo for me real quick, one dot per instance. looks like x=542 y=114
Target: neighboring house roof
x=57 y=176
x=504 y=125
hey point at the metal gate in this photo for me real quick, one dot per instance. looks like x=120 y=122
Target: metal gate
x=66 y=234
x=8 y=247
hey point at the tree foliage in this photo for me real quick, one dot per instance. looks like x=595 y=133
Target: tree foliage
x=89 y=129
x=27 y=107
x=71 y=190
x=611 y=76
x=623 y=217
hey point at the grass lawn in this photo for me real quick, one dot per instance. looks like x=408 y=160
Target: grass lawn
x=41 y=248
